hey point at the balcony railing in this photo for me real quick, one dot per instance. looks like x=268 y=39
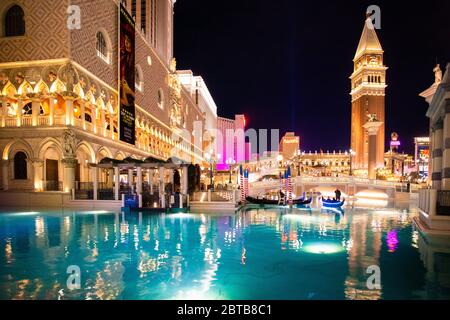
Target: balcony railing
x=11 y=122
x=61 y=120
x=43 y=120
x=211 y=196
x=26 y=121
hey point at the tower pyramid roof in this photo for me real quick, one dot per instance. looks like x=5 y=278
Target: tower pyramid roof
x=369 y=42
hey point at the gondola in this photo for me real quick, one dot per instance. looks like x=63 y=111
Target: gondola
x=332 y=203
x=302 y=201
x=263 y=201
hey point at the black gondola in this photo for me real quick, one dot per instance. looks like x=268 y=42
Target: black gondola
x=263 y=201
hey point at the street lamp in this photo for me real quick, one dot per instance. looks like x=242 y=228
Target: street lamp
x=280 y=160
x=230 y=162
x=210 y=159
x=352 y=154
x=299 y=153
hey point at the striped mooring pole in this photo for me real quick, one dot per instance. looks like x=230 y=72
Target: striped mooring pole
x=241 y=183
x=289 y=178
x=246 y=183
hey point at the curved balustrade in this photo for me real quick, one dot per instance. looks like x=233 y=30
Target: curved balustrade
x=337 y=180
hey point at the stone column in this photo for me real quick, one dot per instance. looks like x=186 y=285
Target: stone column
x=150 y=180
x=4 y=111
x=437 y=155
x=171 y=174
x=83 y=115
x=38 y=166
x=139 y=181
x=95 y=182
x=5 y=174
x=110 y=178
x=116 y=183
x=372 y=127
x=446 y=150
x=69 y=111
x=19 y=112
x=69 y=173
x=130 y=178
x=111 y=126
x=184 y=180
x=102 y=118
x=35 y=108
x=94 y=118
x=52 y=110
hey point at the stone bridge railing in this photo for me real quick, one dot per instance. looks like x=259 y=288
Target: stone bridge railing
x=336 y=181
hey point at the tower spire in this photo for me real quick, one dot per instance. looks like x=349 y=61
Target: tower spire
x=368 y=42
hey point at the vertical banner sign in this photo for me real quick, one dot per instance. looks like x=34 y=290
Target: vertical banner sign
x=127 y=76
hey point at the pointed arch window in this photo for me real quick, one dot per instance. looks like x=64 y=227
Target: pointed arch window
x=160 y=99
x=139 y=78
x=28 y=110
x=14 y=22
x=103 y=49
x=20 y=166
x=87 y=118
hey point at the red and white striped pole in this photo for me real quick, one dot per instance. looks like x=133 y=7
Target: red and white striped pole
x=245 y=183
x=241 y=183
x=286 y=185
x=290 y=201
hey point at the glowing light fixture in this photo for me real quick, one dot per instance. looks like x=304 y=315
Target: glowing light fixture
x=96 y=212
x=323 y=248
x=30 y=213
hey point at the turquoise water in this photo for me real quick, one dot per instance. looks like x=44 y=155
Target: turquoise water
x=257 y=254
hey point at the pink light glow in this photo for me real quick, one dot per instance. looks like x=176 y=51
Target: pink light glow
x=392 y=241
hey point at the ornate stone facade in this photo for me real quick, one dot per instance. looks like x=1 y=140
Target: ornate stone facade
x=59 y=96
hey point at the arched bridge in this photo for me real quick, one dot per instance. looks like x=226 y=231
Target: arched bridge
x=350 y=186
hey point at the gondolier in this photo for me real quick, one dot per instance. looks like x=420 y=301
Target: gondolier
x=338 y=194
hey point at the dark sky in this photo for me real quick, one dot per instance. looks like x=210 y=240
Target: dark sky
x=285 y=64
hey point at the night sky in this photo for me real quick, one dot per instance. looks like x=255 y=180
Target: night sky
x=286 y=64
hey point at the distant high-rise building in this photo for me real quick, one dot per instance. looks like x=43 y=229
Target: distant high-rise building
x=289 y=145
x=368 y=94
x=231 y=141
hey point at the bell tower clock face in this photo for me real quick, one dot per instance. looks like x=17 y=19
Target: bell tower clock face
x=373 y=60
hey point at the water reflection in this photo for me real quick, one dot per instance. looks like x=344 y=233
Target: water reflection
x=267 y=254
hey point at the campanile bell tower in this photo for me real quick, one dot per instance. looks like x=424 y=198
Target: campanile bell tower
x=368 y=95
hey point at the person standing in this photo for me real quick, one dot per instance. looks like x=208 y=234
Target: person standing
x=338 y=194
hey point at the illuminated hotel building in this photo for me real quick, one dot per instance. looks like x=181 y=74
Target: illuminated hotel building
x=231 y=141
x=434 y=203
x=422 y=155
x=325 y=163
x=199 y=91
x=59 y=95
x=289 y=145
x=368 y=83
